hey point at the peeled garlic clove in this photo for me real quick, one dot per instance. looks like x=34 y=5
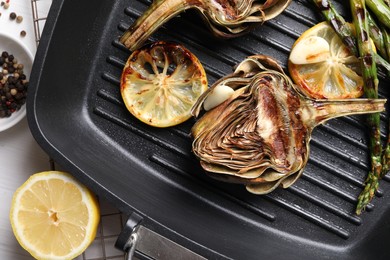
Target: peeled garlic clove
x=310 y=50
x=219 y=94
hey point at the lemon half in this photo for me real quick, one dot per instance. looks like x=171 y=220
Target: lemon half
x=323 y=67
x=53 y=216
x=161 y=82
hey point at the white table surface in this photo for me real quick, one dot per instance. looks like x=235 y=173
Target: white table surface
x=20 y=155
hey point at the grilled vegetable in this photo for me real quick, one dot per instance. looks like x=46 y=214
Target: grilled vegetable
x=381 y=11
x=224 y=18
x=359 y=14
x=260 y=135
x=377 y=36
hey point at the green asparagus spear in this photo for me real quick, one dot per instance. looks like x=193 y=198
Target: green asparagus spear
x=379 y=59
x=369 y=72
x=381 y=11
x=377 y=36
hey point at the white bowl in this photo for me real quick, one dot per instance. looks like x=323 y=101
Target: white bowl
x=24 y=56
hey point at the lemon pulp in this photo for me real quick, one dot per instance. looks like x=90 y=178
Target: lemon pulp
x=53 y=216
x=161 y=82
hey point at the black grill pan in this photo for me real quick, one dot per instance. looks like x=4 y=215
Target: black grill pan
x=76 y=114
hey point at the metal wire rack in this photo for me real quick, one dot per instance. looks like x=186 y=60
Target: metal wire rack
x=39 y=17
x=111 y=219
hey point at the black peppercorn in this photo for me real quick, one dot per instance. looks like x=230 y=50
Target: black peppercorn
x=12 y=16
x=19 y=96
x=19 y=86
x=9 y=97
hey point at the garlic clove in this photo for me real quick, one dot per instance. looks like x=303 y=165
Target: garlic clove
x=218 y=95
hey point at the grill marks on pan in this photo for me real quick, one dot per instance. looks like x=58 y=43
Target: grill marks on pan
x=327 y=192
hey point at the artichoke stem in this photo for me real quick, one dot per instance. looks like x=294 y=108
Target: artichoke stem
x=319 y=111
x=158 y=13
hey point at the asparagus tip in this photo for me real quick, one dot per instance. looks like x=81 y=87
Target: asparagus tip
x=365 y=197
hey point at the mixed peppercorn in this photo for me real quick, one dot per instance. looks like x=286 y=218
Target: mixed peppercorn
x=12 y=16
x=13 y=85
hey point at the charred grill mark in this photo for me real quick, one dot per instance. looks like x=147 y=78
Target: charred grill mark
x=367 y=60
x=273 y=111
x=361 y=16
x=142 y=91
x=370 y=83
x=299 y=130
x=364 y=36
x=360 y=13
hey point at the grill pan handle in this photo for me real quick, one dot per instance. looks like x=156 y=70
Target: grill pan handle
x=149 y=244
x=127 y=239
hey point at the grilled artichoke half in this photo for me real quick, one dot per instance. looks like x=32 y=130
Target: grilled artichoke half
x=259 y=136
x=225 y=18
